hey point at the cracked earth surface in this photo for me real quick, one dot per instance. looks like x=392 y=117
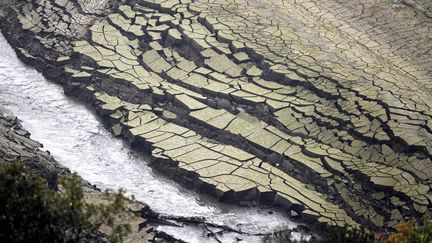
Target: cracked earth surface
x=321 y=107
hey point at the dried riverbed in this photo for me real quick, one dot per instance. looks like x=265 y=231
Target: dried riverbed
x=76 y=138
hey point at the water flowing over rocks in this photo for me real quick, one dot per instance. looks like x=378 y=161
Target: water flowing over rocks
x=15 y=144
x=307 y=105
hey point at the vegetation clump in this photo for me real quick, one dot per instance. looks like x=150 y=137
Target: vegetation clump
x=408 y=232
x=31 y=212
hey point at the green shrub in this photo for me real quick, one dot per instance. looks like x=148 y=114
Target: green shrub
x=334 y=235
x=410 y=232
x=30 y=212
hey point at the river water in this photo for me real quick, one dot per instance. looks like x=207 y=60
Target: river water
x=76 y=138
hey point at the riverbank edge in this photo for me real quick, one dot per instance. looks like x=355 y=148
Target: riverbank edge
x=16 y=144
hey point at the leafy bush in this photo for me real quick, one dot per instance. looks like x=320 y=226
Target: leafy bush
x=30 y=212
x=410 y=232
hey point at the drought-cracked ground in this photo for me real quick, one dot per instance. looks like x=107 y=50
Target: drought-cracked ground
x=323 y=107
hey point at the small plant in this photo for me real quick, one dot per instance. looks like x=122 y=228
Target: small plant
x=30 y=212
x=334 y=235
x=410 y=232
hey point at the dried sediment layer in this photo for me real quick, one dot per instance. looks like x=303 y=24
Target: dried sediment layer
x=300 y=103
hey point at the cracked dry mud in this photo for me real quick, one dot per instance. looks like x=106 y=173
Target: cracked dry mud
x=321 y=107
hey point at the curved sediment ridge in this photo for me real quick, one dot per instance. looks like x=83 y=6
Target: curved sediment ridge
x=78 y=141
x=295 y=104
